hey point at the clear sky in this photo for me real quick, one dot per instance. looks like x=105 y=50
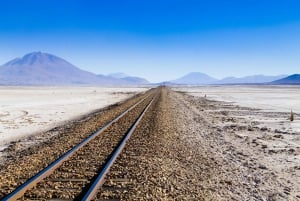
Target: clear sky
x=157 y=39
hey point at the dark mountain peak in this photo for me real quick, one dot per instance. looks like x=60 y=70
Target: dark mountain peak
x=292 y=79
x=34 y=57
x=295 y=76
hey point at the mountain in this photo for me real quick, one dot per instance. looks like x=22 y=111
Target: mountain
x=137 y=80
x=292 y=79
x=39 y=68
x=129 y=79
x=118 y=75
x=250 y=79
x=194 y=78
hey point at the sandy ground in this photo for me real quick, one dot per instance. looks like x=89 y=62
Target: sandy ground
x=27 y=110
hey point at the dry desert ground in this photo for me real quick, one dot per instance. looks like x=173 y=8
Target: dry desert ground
x=28 y=110
x=195 y=143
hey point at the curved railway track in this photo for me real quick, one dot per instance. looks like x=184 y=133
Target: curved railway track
x=79 y=172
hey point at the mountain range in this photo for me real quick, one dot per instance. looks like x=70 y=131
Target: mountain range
x=250 y=79
x=196 y=78
x=39 y=68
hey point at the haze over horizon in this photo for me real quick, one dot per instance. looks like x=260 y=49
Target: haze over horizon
x=157 y=40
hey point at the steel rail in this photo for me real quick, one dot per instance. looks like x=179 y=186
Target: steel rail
x=20 y=191
x=99 y=181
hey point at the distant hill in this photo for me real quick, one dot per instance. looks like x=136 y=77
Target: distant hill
x=250 y=79
x=118 y=75
x=292 y=79
x=137 y=80
x=194 y=78
x=39 y=68
x=128 y=78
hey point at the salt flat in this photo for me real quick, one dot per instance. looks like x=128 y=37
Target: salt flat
x=255 y=121
x=280 y=99
x=26 y=110
x=272 y=98
x=267 y=108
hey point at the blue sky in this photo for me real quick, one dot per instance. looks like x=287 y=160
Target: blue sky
x=157 y=39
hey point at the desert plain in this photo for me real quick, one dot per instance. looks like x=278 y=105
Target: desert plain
x=267 y=98
x=26 y=111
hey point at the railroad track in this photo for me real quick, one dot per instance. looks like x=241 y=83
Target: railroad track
x=79 y=173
